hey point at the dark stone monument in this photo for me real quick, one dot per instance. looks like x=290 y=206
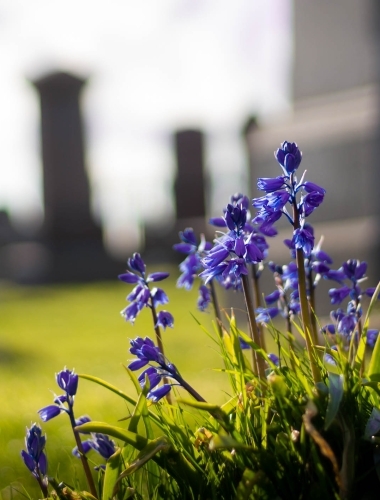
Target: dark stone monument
x=189 y=184
x=189 y=195
x=69 y=232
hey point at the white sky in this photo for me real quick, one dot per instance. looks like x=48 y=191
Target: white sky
x=153 y=66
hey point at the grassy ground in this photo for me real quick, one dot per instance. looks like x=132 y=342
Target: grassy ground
x=43 y=329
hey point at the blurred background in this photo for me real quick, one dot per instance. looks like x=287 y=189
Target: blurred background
x=92 y=99
x=124 y=122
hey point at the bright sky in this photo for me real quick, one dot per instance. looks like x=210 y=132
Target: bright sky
x=153 y=66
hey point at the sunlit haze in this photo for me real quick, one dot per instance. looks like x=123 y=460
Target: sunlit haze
x=152 y=67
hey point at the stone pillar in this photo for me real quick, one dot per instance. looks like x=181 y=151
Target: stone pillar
x=72 y=239
x=189 y=184
x=66 y=187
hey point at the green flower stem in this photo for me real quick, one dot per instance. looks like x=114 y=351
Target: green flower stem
x=305 y=313
x=215 y=304
x=304 y=303
x=160 y=345
x=86 y=467
x=312 y=308
x=257 y=303
x=190 y=389
x=257 y=361
x=40 y=481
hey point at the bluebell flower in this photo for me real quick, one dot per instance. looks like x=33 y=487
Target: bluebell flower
x=289 y=157
x=265 y=315
x=329 y=329
x=354 y=269
x=310 y=187
x=146 y=351
x=49 y=412
x=159 y=297
x=192 y=266
x=34 y=456
x=272 y=297
x=159 y=393
x=303 y=239
x=82 y=420
x=372 y=337
x=243 y=344
x=337 y=295
x=232 y=251
x=270 y=184
x=141 y=296
x=283 y=190
x=67 y=380
x=100 y=443
x=275 y=359
x=204 y=298
x=158 y=367
x=164 y=319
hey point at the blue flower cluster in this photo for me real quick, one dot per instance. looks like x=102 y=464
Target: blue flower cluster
x=283 y=190
x=142 y=296
x=67 y=380
x=345 y=323
x=286 y=278
x=228 y=258
x=147 y=353
x=34 y=457
x=98 y=442
x=191 y=266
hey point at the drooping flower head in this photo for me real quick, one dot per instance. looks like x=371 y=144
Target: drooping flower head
x=233 y=250
x=67 y=380
x=191 y=266
x=289 y=157
x=34 y=456
x=141 y=295
x=100 y=443
x=282 y=191
x=158 y=367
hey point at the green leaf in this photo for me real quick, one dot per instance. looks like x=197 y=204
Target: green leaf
x=247 y=483
x=120 y=393
x=146 y=454
x=111 y=475
x=226 y=441
x=174 y=462
x=139 y=408
x=213 y=409
x=136 y=440
x=335 y=398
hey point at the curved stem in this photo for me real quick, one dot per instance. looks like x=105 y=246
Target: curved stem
x=305 y=311
x=86 y=467
x=159 y=344
x=257 y=361
x=312 y=307
x=40 y=481
x=189 y=389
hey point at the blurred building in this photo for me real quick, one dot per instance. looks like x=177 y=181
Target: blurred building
x=335 y=121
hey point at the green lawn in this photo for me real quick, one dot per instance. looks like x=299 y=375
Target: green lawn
x=43 y=329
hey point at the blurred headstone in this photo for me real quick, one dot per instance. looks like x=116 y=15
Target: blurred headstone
x=189 y=184
x=69 y=232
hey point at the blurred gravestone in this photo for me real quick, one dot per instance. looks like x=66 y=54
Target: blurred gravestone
x=69 y=232
x=190 y=188
x=189 y=185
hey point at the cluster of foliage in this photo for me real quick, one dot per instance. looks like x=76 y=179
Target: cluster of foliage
x=303 y=422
